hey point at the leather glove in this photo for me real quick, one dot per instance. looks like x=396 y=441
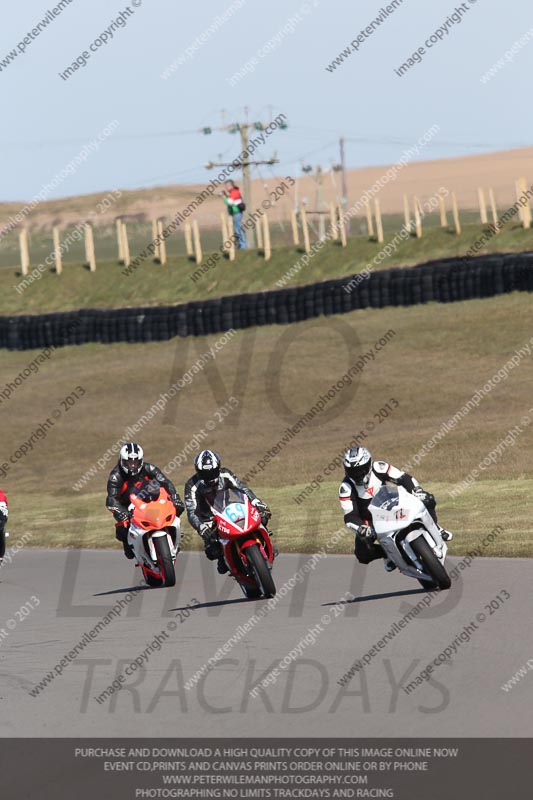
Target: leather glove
x=123 y=516
x=263 y=509
x=366 y=532
x=178 y=504
x=426 y=497
x=206 y=532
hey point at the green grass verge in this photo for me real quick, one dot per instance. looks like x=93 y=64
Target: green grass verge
x=84 y=522
x=152 y=284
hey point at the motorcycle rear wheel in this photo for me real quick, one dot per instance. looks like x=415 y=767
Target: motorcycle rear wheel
x=431 y=565
x=262 y=573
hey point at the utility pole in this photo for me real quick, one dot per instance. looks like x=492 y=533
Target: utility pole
x=341 y=167
x=244 y=129
x=246 y=182
x=319 y=203
x=307 y=168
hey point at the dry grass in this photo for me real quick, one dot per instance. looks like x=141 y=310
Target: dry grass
x=440 y=355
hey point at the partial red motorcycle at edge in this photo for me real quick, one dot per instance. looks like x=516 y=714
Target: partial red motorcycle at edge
x=246 y=543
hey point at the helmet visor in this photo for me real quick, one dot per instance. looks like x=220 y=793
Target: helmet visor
x=359 y=473
x=210 y=475
x=132 y=465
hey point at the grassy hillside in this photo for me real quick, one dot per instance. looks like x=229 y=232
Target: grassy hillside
x=153 y=284
x=436 y=359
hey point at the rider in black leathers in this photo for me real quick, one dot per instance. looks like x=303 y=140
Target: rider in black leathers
x=200 y=492
x=134 y=475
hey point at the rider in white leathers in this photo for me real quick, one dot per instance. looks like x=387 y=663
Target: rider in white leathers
x=363 y=477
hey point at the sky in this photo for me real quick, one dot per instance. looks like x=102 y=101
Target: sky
x=287 y=45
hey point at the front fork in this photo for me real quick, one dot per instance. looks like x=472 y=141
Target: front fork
x=136 y=540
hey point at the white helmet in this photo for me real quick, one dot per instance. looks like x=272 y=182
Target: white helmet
x=131 y=458
x=358 y=465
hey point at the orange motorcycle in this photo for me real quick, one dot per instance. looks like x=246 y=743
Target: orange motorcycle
x=155 y=535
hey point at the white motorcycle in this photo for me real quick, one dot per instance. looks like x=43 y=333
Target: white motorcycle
x=406 y=532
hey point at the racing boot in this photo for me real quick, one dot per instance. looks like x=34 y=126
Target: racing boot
x=222 y=567
x=128 y=550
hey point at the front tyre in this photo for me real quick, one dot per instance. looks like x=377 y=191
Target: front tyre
x=151 y=580
x=2 y=543
x=262 y=573
x=431 y=565
x=164 y=560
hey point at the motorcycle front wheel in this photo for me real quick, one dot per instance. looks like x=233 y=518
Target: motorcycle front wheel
x=431 y=565
x=164 y=560
x=262 y=573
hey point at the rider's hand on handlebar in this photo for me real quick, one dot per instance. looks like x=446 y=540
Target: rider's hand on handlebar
x=178 y=504
x=366 y=532
x=263 y=509
x=426 y=497
x=206 y=531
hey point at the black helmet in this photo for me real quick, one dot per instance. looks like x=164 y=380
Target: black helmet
x=358 y=465
x=131 y=458
x=207 y=465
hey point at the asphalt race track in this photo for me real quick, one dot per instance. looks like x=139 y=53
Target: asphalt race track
x=66 y=593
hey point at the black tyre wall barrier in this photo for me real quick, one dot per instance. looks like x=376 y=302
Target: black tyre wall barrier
x=445 y=281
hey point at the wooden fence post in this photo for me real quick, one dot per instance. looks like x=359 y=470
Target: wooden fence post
x=482 y=206
x=57 y=250
x=526 y=210
x=259 y=234
x=406 y=214
x=305 y=229
x=418 y=219
x=295 y=231
x=197 y=242
x=379 y=223
x=162 y=246
x=369 y=222
x=266 y=238
x=493 y=211
x=333 y=222
x=224 y=229
x=89 y=247
x=155 y=234
x=24 y=251
x=342 y=226
x=231 y=237
x=188 y=240
x=125 y=244
x=520 y=208
x=120 y=242
x=443 y=215
x=455 y=212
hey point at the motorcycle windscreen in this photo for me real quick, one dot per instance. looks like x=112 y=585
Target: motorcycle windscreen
x=226 y=497
x=394 y=508
x=387 y=498
x=386 y=510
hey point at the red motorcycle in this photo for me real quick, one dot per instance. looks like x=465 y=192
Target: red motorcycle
x=246 y=544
